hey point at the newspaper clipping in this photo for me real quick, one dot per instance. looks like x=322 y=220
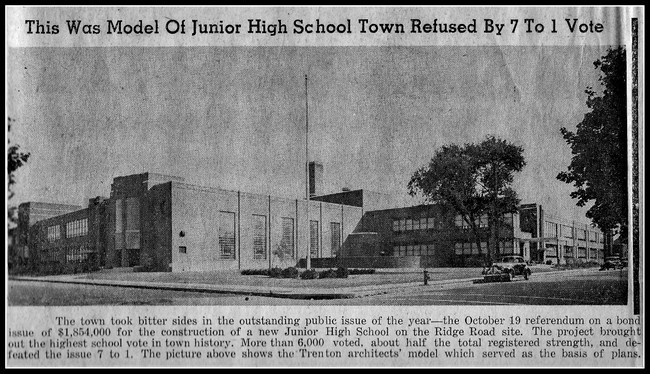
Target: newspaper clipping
x=324 y=187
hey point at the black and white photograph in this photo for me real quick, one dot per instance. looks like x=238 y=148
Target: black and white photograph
x=396 y=175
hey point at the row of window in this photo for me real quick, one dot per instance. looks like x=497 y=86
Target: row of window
x=409 y=224
x=480 y=222
x=428 y=223
x=70 y=254
x=77 y=254
x=286 y=247
x=76 y=228
x=471 y=248
x=558 y=230
x=73 y=229
x=568 y=252
x=413 y=250
x=460 y=248
x=53 y=233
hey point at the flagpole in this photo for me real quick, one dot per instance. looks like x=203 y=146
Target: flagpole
x=308 y=265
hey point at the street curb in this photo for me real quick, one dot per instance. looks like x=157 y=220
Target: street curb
x=194 y=288
x=361 y=291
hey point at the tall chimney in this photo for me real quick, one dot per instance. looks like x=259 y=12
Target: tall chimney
x=315 y=178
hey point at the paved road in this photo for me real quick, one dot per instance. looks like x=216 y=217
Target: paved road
x=593 y=288
x=590 y=287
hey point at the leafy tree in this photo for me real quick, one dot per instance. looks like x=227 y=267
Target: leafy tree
x=15 y=159
x=473 y=180
x=598 y=168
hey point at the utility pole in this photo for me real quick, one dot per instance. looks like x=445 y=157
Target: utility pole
x=308 y=265
x=497 y=215
x=494 y=235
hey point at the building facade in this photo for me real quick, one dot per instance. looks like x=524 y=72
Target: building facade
x=29 y=214
x=161 y=223
x=560 y=240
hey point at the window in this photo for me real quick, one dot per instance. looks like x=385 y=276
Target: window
x=409 y=224
x=507 y=219
x=76 y=228
x=483 y=221
x=286 y=243
x=76 y=253
x=581 y=234
x=119 y=225
x=468 y=248
x=460 y=222
x=506 y=247
x=423 y=223
x=259 y=237
x=592 y=236
x=182 y=249
x=409 y=250
x=582 y=252
x=335 y=229
x=227 y=235
x=53 y=233
x=399 y=250
x=396 y=225
x=132 y=223
x=132 y=213
x=313 y=238
x=430 y=223
x=551 y=230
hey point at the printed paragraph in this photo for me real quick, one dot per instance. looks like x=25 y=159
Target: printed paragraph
x=222 y=339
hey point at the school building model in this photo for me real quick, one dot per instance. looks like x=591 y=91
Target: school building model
x=161 y=223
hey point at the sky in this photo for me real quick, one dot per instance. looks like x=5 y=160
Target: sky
x=234 y=117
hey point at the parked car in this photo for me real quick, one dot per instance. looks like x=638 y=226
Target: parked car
x=613 y=262
x=506 y=268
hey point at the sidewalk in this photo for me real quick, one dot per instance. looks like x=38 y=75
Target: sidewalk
x=326 y=289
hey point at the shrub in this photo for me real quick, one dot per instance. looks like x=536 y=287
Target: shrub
x=361 y=271
x=290 y=272
x=147 y=262
x=139 y=269
x=327 y=274
x=342 y=273
x=309 y=274
x=255 y=272
x=275 y=272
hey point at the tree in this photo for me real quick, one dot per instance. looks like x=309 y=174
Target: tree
x=473 y=180
x=598 y=168
x=15 y=159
